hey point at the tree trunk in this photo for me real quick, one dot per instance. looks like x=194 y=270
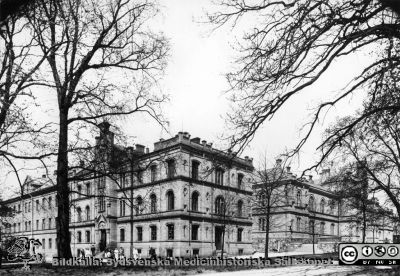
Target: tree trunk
x=223 y=241
x=364 y=224
x=131 y=196
x=63 y=235
x=267 y=230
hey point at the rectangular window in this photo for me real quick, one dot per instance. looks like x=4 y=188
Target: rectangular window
x=170 y=231
x=196 y=252
x=43 y=243
x=122 y=180
x=153 y=173
x=79 y=236
x=298 y=224
x=170 y=253
x=37 y=205
x=102 y=203
x=240 y=180
x=140 y=176
x=171 y=168
x=43 y=224
x=122 y=235
x=50 y=243
x=87 y=236
x=239 y=234
x=49 y=223
x=122 y=208
x=195 y=232
x=195 y=169
x=87 y=189
x=37 y=224
x=139 y=233
x=219 y=176
x=19 y=227
x=240 y=251
x=26 y=226
x=153 y=233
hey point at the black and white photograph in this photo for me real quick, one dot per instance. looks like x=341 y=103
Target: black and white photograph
x=214 y=137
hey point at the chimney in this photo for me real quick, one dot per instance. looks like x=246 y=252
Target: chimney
x=186 y=135
x=288 y=169
x=278 y=162
x=204 y=143
x=209 y=145
x=140 y=148
x=195 y=140
x=147 y=150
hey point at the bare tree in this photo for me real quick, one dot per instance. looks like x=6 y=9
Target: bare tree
x=375 y=145
x=20 y=137
x=102 y=61
x=271 y=192
x=294 y=44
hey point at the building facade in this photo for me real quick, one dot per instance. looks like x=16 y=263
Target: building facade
x=307 y=212
x=184 y=198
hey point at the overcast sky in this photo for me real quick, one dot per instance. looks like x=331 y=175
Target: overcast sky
x=196 y=83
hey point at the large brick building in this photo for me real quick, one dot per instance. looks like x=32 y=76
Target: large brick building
x=184 y=198
x=304 y=211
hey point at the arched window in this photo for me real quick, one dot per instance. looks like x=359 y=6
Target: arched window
x=219 y=205
x=87 y=212
x=50 y=202
x=195 y=201
x=79 y=214
x=298 y=198
x=322 y=228
x=311 y=203
x=170 y=201
x=153 y=203
x=322 y=206
x=240 y=208
x=139 y=203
